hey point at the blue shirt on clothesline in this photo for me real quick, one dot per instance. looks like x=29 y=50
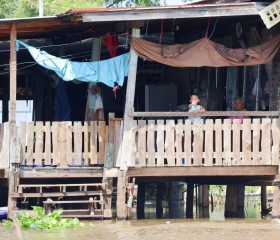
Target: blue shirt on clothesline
x=110 y=72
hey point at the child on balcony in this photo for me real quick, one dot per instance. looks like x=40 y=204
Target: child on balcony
x=194 y=107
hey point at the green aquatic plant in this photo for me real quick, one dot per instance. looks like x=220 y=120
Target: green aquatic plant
x=40 y=221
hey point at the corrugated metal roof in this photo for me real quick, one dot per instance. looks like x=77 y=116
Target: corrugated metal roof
x=187 y=6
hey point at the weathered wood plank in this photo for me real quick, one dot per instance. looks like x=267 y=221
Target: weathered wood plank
x=38 y=153
x=62 y=144
x=93 y=142
x=160 y=142
x=197 y=127
x=246 y=142
x=86 y=155
x=169 y=142
x=119 y=136
x=69 y=156
x=179 y=143
x=256 y=142
x=102 y=141
x=132 y=147
x=207 y=114
x=188 y=142
x=266 y=141
x=78 y=143
x=236 y=143
x=209 y=142
x=275 y=130
x=141 y=142
x=151 y=143
x=218 y=142
x=30 y=143
x=227 y=142
x=22 y=137
x=47 y=154
x=55 y=143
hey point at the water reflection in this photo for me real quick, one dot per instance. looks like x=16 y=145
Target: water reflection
x=210 y=229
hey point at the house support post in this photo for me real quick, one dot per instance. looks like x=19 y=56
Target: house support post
x=263 y=199
x=13 y=177
x=189 y=204
x=141 y=200
x=234 y=206
x=275 y=213
x=160 y=195
x=176 y=206
x=127 y=145
x=203 y=201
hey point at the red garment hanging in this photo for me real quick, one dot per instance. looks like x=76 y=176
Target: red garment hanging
x=112 y=42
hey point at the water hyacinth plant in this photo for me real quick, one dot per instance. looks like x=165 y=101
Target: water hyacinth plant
x=40 y=221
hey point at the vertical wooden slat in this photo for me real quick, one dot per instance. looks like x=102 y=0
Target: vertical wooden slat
x=38 y=154
x=62 y=145
x=218 y=142
x=102 y=140
x=5 y=150
x=86 y=143
x=246 y=142
x=276 y=141
x=197 y=127
x=47 y=154
x=132 y=149
x=151 y=143
x=179 y=142
x=30 y=143
x=22 y=137
x=77 y=153
x=55 y=140
x=118 y=140
x=209 y=138
x=119 y=136
x=142 y=142
x=256 y=141
x=169 y=142
x=70 y=157
x=188 y=143
x=236 y=135
x=266 y=141
x=160 y=142
x=227 y=141
x=93 y=142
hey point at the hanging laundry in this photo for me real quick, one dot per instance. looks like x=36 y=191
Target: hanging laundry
x=110 y=72
x=61 y=104
x=112 y=43
x=94 y=110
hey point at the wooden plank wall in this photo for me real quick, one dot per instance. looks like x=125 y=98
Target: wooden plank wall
x=61 y=144
x=206 y=143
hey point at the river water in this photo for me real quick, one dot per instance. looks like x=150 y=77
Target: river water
x=233 y=229
x=215 y=228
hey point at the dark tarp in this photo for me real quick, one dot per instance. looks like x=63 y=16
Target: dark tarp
x=205 y=53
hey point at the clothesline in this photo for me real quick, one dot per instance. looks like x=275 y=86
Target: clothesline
x=110 y=72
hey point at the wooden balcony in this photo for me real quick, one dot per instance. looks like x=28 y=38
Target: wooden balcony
x=167 y=140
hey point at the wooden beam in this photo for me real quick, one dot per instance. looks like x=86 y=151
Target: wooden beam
x=129 y=103
x=186 y=11
x=208 y=114
x=203 y=171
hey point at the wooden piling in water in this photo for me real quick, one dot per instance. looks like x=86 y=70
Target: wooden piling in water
x=189 y=204
x=141 y=200
x=234 y=206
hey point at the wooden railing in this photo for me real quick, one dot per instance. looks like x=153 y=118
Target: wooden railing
x=61 y=144
x=204 y=143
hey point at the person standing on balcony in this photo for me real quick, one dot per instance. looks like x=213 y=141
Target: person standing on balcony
x=238 y=106
x=195 y=108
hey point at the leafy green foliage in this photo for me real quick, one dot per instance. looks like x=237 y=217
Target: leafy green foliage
x=40 y=221
x=30 y=8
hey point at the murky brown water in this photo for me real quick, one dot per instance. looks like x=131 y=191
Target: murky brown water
x=233 y=229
